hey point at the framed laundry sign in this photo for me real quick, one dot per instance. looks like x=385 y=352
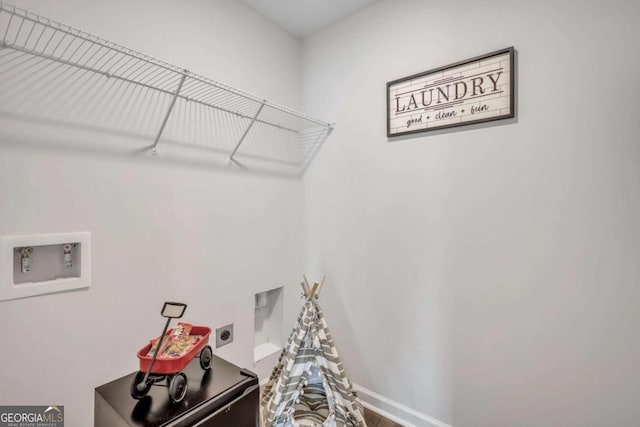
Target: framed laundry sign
x=473 y=91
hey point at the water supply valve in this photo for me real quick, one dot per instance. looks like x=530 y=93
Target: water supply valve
x=67 y=255
x=26 y=261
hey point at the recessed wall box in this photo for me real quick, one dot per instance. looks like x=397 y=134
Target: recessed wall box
x=268 y=333
x=268 y=338
x=44 y=263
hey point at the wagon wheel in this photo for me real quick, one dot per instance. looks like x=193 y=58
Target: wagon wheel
x=206 y=356
x=136 y=393
x=177 y=387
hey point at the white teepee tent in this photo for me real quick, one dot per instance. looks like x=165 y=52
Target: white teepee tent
x=308 y=386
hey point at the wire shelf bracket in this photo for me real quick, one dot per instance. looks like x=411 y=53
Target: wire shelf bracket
x=57 y=74
x=244 y=135
x=154 y=150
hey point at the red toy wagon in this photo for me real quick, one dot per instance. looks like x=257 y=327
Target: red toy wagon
x=155 y=369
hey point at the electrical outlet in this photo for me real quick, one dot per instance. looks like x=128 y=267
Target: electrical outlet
x=224 y=335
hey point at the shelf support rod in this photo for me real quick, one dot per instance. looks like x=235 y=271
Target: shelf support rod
x=154 y=150
x=244 y=135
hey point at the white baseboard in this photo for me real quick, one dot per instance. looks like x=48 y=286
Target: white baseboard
x=394 y=411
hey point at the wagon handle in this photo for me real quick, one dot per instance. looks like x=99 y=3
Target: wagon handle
x=170 y=310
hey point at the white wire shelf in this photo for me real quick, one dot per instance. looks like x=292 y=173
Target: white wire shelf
x=54 y=73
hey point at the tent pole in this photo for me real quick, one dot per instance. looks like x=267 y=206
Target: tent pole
x=314 y=289
x=305 y=289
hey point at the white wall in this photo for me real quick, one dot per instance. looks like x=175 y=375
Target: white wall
x=161 y=230
x=484 y=277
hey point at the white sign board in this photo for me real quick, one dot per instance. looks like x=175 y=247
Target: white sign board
x=472 y=91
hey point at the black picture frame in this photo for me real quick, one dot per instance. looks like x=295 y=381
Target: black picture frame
x=511 y=113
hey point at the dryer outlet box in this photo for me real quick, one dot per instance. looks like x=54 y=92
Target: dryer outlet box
x=224 y=335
